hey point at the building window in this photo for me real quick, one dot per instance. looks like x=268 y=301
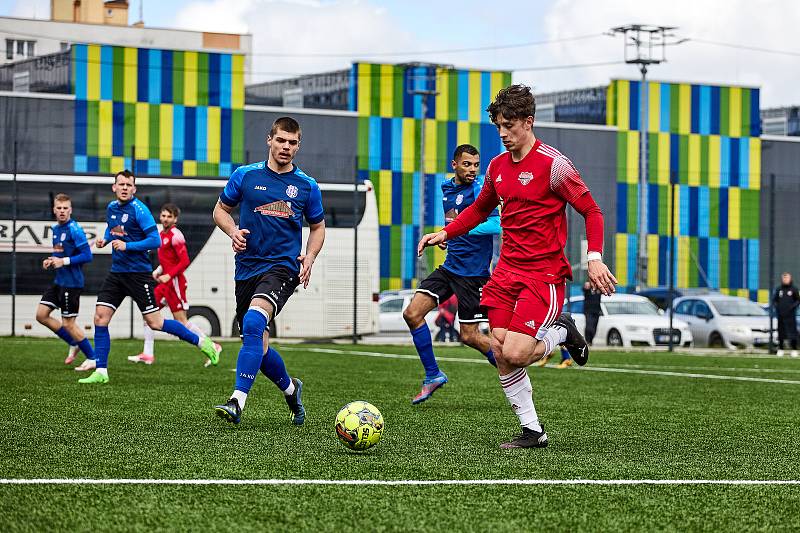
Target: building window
x=9 y=48
x=20 y=48
x=64 y=46
x=31 y=48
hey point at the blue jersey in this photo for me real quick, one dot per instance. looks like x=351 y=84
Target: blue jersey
x=133 y=223
x=69 y=240
x=470 y=254
x=272 y=207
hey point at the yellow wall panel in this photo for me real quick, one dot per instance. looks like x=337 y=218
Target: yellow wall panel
x=755 y=163
x=714 y=156
x=663 y=158
x=685 y=110
x=142 y=129
x=190 y=168
x=430 y=146
x=385 y=197
x=497 y=84
x=653 y=106
x=734 y=213
x=165 y=132
x=652 y=263
x=190 y=79
x=105 y=122
x=735 y=112
x=621 y=259
x=475 y=108
x=93 y=72
x=632 y=162
x=364 y=88
x=409 y=162
x=131 y=75
x=237 y=81
x=443 y=98
x=623 y=89
x=387 y=90
x=213 y=143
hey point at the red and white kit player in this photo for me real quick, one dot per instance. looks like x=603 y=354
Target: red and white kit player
x=534 y=183
x=173 y=260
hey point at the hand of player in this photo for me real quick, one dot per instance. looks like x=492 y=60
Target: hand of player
x=119 y=245
x=56 y=262
x=47 y=263
x=100 y=243
x=239 y=240
x=306 y=262
x=442 y=245
x=431 y=239
x=600 y=278
x=164 y=278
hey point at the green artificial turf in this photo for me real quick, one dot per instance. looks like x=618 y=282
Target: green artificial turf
x=157 y=423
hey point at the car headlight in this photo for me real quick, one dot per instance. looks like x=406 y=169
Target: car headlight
x=636 y=328
x=740 y=330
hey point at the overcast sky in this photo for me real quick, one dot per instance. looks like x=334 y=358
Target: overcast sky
x=400 y=30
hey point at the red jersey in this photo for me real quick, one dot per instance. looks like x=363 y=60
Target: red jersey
x=534 y=193
x=173 y=255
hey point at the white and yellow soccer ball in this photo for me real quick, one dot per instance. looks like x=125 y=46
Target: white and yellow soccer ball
x=359 y=425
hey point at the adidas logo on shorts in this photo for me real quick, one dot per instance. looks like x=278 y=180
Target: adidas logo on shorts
x=531 y=324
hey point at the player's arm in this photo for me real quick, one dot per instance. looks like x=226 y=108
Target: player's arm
x=566 y=182
x=83 y=256
x=481 y=208
x=179 y=245
x=229 y=198
x=490 y=226
x=150 y=242
x=315 y=216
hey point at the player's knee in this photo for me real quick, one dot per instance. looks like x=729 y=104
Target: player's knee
x=497 y=347
x=42 y=316
x=469 y=336
x=411 y=317
x=254 y=324
x=515 y=357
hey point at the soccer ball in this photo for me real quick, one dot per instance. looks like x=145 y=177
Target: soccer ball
x=359 y=425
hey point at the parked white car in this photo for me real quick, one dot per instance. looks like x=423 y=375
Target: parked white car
x=392 y=305
x=630 y=320
x=724 y=321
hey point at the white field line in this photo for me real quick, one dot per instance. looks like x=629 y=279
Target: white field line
x=589 y=368
x=390 y=482
x=719 y=368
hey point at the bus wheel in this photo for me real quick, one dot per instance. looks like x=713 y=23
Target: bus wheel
x=205 y=319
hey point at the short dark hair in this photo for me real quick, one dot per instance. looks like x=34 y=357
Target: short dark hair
x=287 y=124
x=172 y=209
x=513 y=102
x=125 y=173
x=61 y=197
x=464 y=149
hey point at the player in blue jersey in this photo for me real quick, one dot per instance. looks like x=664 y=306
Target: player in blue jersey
x=132 y=233
x=70 y=252
x=464 y=272
x=274 y=196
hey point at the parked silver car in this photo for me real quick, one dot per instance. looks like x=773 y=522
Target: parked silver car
x=721 y=321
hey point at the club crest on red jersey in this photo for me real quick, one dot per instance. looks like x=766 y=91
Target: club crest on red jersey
x=280 y=209
x=525 y=177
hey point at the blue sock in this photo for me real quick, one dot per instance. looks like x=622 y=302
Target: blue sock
x=86 y=348
x=65 y=336
x=173 y=327
x=102 y=345
x=252 y=350
x=490 y=357
x=424 y=345
x=273 y=367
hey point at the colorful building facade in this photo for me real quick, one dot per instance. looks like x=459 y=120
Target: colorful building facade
x=389 y=120
x=704 y=140
x=158 y=112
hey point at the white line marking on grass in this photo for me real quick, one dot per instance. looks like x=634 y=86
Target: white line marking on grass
x=589 y=368
x=392 y=482
x=720 y=368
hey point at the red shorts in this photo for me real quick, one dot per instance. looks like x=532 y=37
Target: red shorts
x=173 y=294
x=522 y=304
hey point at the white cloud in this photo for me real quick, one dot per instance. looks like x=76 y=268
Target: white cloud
x=766 y=24
x=300 y=27
x=39 y=9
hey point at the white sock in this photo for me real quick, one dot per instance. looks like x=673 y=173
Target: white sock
x=102 y=371
x=194 y=329
x=290 y=389
x=554 y=336
x=518 y=389
x=240 y=396
x=149 y=340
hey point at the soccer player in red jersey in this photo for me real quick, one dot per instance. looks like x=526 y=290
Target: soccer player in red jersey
x=173 y=260
x=534 y=182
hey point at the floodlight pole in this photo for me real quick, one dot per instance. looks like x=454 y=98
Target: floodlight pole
x=422 y=264
x=647 y=46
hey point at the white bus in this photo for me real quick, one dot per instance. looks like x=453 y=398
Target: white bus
x=324 y=310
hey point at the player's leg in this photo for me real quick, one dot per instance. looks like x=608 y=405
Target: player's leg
x=781 y=335
x=142 y=291
x=104 y=311
x=51 y=300
x=148 y=353
x=471 y=314
x=69 y=317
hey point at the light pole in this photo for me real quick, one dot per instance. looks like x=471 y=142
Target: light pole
x=644 y=45
x=424 y=87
